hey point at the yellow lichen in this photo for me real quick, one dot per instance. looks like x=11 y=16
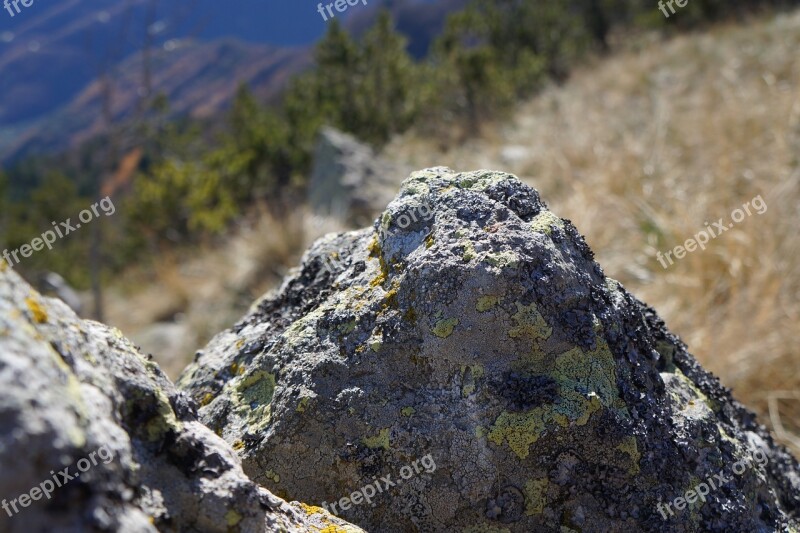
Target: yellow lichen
x=303 y=404
x=485 y=528
x=207 y=399
x=469 y=252
x=520 y=430
x=232 y=518
x=544 y=222
x=629 y=446
x=502 y=259
x=381 y=440
x=347 y=327
x=535 y=496
x=486 y=302
x=529 y=323
x=468 y=376
x=444 y=328
x=38 y=312
x=237 y=445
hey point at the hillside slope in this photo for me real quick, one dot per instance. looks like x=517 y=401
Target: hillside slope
x=642 y=150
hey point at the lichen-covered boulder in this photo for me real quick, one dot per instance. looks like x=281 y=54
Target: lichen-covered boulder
x=467 y=366
x=93 y=437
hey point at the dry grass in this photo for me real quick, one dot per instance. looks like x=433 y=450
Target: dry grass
x=640 y=150
x=174 y=305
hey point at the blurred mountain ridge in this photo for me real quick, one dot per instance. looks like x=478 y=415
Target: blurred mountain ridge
x=54 y=60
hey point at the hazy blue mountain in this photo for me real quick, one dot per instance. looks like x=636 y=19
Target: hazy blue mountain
x=53 y=56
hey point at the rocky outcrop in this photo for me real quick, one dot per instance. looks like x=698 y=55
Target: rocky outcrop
x=349 y=182
x=467 y=366
x=93 y=437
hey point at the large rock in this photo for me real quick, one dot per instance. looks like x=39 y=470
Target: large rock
x=469 y=348
x=93 y=437
x=349 y=182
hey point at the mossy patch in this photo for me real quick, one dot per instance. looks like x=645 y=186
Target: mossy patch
x=381 y=440
x=529 y=323
x=407 y=411
x=444 y=328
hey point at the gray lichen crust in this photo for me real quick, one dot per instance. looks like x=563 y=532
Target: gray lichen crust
x=472 y=324
x=70 y=388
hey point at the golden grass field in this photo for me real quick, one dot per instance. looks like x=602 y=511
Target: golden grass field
x=640 y=150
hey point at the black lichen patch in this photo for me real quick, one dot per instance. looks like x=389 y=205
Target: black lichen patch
x=524 y=392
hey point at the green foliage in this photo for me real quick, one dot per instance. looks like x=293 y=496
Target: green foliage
x=55 y=200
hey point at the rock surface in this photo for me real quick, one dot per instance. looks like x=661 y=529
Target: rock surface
x=349 y=181
x=78 y=398
x=472 y=325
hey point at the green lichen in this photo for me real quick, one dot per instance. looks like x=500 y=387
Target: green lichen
x=374 y=248
x=232 y=518
x=536 y=496
x=481 y=180
x=257 y=388
x=206 y=399
x=407 y=411
x=347 y=327
x=630 y=447
x=444 y=328
x=485 y=528
x=381 y=440
x=254 y=395
x=502 y=259
x=520 y=430
x=469 y=375
x=530 y=323
x=486 y=302
x=302 y=405
x=270 y=474
x=544 y=222
x=469 y=252
x=592 y=371
x=375 y=342
x=164 y=419
x=586 y=384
